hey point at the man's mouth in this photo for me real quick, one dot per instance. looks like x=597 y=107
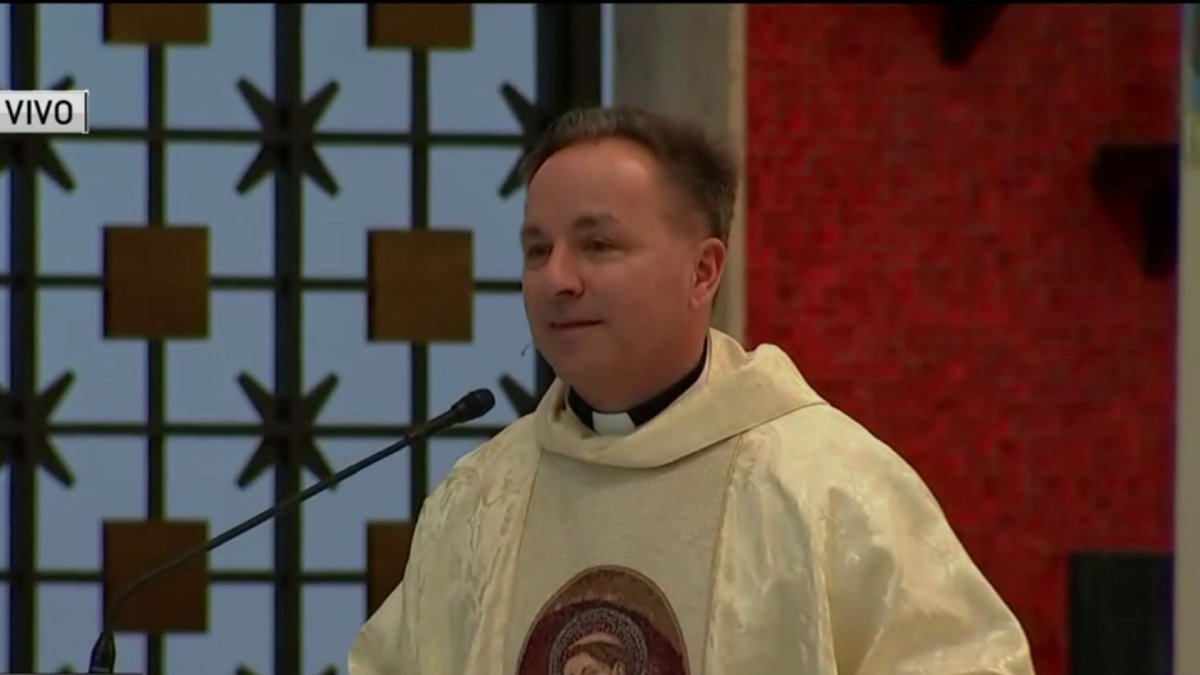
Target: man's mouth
x=572 y=325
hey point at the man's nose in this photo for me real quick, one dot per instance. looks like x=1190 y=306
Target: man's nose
x=562 y=273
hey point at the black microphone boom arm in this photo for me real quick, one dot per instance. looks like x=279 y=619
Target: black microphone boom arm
x=473 y=405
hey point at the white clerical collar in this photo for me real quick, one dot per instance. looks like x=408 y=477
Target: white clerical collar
x=612 y=424
x=626 y=422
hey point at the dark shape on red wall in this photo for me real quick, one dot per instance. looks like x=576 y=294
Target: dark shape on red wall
x=1150 y=173
x=1121 y=613
x=963 y=29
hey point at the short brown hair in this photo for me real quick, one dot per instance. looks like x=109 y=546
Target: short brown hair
x=701 y=165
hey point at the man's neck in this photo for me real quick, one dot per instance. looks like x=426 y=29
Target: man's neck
x=645 y=408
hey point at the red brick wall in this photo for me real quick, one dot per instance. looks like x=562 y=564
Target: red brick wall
x=925 y=243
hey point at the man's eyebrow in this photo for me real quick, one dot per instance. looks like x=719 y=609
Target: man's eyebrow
x=593 y=220
x=530 y=231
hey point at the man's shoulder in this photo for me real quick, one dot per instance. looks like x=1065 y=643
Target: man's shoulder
x=512 y=450
x=509 y=444
x=822 y=446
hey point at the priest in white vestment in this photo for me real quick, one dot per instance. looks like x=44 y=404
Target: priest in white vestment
x=677 y=504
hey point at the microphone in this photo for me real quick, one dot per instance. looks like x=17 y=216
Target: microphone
x=473 y=405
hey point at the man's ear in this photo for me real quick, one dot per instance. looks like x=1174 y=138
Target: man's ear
x=708 y=268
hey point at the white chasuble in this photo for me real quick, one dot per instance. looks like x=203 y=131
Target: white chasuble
x=751 y=528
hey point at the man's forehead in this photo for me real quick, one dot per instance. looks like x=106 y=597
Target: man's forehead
x=583 y=220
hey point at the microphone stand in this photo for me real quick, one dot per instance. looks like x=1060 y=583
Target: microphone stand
x=473 y=405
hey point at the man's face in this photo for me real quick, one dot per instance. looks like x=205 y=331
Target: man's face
x=613 y=275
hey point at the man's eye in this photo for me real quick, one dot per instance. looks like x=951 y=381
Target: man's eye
x=536 y=250
x=597 y=245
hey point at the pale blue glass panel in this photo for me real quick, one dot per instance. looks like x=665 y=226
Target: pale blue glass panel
x=202 y=80
x=110 y=483
x=4 y=73
x=110 y=375
x=5 y=219
x=68 y=621
x=501 y=345
x=202 y=485
x=239 y=633
x=5 y=340
x=202 y=374
x=335 y=521
x=608 y=49
x=445 y=452
x=463 y=189
x=332 y=617
x=464 y=86
x=4 y=620
x=72 y=43
x=373 y=84
x=373 y=377
x=110 y=189
x=374 y=194
x=201 y=178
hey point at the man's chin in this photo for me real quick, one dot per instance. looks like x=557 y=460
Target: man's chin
x=578 y=366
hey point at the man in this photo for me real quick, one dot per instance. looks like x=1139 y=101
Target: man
x=676 y=504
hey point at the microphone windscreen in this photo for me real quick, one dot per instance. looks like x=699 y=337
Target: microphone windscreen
x=475 y=404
